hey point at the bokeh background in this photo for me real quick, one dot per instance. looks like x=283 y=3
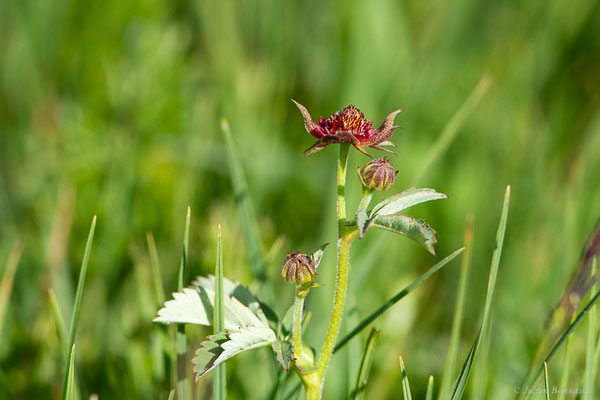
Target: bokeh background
x=112 y=108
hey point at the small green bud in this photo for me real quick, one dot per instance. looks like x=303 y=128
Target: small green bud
x=377 y=174
x=299 y=268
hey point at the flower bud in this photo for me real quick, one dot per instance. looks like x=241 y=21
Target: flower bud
x=299 y=268
x=377 y=174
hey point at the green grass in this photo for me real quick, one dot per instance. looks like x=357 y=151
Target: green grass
x=365 y=366
x=114 y=109
x=183 y=385
x=406 y=392
x=220 y=378
x=461 y=381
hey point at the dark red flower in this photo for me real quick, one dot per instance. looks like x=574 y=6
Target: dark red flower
x=348 y=126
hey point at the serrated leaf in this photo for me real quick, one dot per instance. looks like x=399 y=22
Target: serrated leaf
x=222 y=346
x=404 y=200
x=186 y=308
x=233 y=290
x=284 y=353
x=362 y=222
x=415 y=229
x=195 y=305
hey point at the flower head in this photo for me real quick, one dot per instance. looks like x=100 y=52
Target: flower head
x=299 y=268
x=377 y=174
x=348 y=126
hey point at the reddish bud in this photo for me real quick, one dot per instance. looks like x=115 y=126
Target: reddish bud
x=299 y=268
x=377 y=174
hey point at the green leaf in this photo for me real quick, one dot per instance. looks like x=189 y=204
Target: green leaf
x=404 y=200
x=222 y=346
x=220 y=381
x=185 y=308
x=397 y=297
x=363 y=222
x=365 y=366
x=461 y=381
x=415 y=229
x=317 y=255
x=284 y=353
x=195 y=305
x=405 y=385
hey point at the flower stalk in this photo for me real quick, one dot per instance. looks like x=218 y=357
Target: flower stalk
x=366 y=199
x=346 y=235
x=297 y=328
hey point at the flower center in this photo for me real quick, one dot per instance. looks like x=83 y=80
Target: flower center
x=350 y=119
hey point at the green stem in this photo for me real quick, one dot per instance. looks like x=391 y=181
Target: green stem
x=366 y=199
x=297 y=329
x=345 y=237
x=341 y=188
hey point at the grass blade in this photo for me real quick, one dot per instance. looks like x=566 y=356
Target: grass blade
x=171 y=394
x=405 y=385
x=452 y=127
x=183 y=389
x=458 y=310
x=459 y=385
x=429 y=393
x=590 y=347
x=69 y=389
x=242 y=196
x=482 y=364
x=414 y=284
x=159 y=289
x=219 y=383
x=69 y=383
x=63 y=336
x=568 y=331
x=8 y=278
x=547 y=392
x=566 y=368
x=365 y=366
x=80 y=284
x=579 y=285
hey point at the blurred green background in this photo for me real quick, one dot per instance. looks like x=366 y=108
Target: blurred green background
x=112 y=108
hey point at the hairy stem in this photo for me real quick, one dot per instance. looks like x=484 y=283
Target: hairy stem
x=345 y=237
x=297 y=329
